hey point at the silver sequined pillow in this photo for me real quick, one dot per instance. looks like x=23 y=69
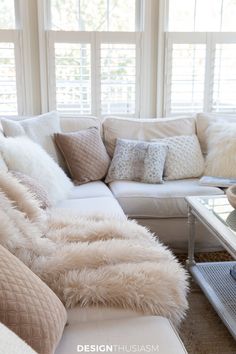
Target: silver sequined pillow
x=137 y=161
x=184 y=158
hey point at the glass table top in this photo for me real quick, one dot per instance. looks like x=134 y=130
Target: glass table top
x=221 y=208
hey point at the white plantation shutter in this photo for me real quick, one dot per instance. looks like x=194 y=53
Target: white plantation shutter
x=224 y=88
x=186 y=64
x=200 y=67
x=8 y=92
x=12 y=90
x=93 y=61
x=73 y=77
x=118 y=78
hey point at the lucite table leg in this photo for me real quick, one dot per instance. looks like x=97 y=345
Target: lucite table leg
x=191 y=238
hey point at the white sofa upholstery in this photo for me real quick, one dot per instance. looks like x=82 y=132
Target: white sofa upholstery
x=160 y=207
x=143 y=200
x=124 y=331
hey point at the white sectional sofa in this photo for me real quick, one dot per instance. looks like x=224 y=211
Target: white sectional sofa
x=160 y=207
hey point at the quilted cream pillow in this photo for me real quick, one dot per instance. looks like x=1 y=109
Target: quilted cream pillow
x=184 y=158
x=221 y=157
x=85 y=154
x=137 y=161
x=28 y=306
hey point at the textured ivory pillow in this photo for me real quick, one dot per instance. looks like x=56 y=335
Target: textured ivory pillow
x=221 y=157
x=23 y=155
x=85 y=154
x=34 y=187
x=28 y=306
x=184 y=158
x=40 y=129
x=137 y=161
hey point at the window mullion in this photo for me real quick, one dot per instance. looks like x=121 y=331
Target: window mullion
x=209 y=73
x=20 y=87
x=167 y=75
x=52 y=71
x=95 y=74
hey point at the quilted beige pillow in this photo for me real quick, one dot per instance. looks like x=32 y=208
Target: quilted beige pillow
x=28 y=307
x=85 y=154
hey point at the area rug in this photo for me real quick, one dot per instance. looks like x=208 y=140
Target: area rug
x=203 y=332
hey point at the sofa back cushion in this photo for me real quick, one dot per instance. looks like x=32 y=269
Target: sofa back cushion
x=145 y=129
x=204 y=120
x=73 y=124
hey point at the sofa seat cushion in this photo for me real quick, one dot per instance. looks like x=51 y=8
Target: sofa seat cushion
x=107 y=206
x=90 y=190
x=142 y=200
x=139 y=331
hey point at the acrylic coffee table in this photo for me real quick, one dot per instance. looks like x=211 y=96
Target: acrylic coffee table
x=214 y=278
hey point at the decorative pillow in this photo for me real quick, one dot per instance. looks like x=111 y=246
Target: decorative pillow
x=221 y=157
x=85 y=154
x=137 y=161
x=40 y=129
x=34 y=187
x=184 y=158
x=23 y=155
x=28 y=306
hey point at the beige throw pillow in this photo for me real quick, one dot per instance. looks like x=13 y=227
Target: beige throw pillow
x=221 y=157
x=28 y=307
x=85 y=154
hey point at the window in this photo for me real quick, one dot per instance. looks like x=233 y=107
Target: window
x=94 y=56
x=8 y=79
x=200 y=64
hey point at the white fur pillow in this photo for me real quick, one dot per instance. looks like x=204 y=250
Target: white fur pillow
x=23 y=155
x=40 y=129
x=221 y=157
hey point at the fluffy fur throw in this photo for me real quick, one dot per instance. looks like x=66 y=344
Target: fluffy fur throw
x=92 y=260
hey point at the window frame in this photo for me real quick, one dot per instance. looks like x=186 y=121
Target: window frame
x=48 y=37
x=95 y=39
x=166 y=39
x=13 y=36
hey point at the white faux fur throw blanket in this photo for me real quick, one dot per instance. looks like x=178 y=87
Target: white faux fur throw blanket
x=92 y=260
